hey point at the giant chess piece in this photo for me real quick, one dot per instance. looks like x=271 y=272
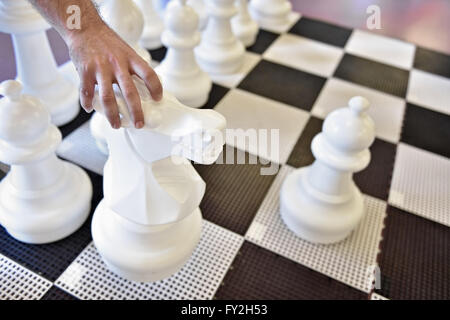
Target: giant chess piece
x=199 y=7
x=127 y=20
x=149 y=222
x=179 y=70
x=271 y=13
x=42 y=199
x=244 y=27
x=220 y=52
x=321 y=203
x=36 y=66
x=153 y=26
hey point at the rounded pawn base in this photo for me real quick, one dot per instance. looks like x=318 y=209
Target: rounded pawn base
x=220 y=60
x=246 y=33
x=269 y=17
x=48 y=215
x=98 y=126
x=144 y=253
x=314 y=220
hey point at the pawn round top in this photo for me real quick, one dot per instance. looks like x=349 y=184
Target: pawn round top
x=181 y=18
x=350 y=129
x=23 y=119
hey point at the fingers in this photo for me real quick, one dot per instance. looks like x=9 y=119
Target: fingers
x=87 y=88
x=108 y=100
x=132 y=98
x=146 y=73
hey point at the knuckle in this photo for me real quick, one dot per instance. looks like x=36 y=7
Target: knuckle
x=107 y=98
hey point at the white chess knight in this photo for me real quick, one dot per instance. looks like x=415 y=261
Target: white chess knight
x=244 y=27
x=179 y=70
x=42 y=199
x=127 y=20
x=321 y=203
x=149 y=222
x=220 y=52
x=36 y=66
x=153 y=26
x=270 y=13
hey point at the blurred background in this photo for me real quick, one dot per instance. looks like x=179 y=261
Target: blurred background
x=422 y=22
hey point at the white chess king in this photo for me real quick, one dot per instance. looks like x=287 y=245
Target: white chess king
x=149 y=222
x=42 y=199
x=321 y=203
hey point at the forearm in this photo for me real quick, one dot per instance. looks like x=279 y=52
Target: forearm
x=56 y=13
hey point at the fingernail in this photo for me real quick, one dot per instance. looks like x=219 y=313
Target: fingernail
x=139 y=124
x=88 y=109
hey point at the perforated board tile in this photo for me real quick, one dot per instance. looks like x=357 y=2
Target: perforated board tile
x=349 y=261
x=429 y=91
x=291 y=20
x=19 y=283
x=80 y=148
x=386 y=110
x=414 y=258
x=381 y=48
x=432 y=61
x=421 y=183
x=373 y=74
x=265 y=122
x=55 y=293
x=235 y=191
x=263 y=40
x=376 y=296
x=258 y=273
x=88 y=278
x=304 y=54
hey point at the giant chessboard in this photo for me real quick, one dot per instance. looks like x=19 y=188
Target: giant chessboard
x=291 y=79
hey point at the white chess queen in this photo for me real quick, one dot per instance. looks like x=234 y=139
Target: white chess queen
x=149 y=222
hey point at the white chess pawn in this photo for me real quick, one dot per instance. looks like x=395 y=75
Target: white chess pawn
x=321 y=203
x=199 y=7
x=42 y=199
x=149 y=222
x=220 y=52
x=244 y=27
x=179 y=70
x=127 y=20
x=36 y=66
x=271 y=13
x=153 y=27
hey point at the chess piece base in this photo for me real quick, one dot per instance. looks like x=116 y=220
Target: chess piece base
x=220 y=60
x=42 y=216
x=144 y=253
x=246 y=33
x=315 y=220
x=269 y=17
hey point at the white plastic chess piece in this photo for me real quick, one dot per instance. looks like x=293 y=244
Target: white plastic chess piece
x=321 y=203
x=127 y=20
x=220 y=52
x=149 y=222
x=42 y=199
x=199 y=7
x=179 y=70
x=244 y=27
x=98 y=126
x=36 y=66
x=153 y=26
x=271 y=13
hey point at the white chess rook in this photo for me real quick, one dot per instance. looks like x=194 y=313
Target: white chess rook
x=153 y=26
x=42 y=199
x=179 y=70
x=244 y=27
x=271 y=13
x=36 y=66
x=321 y=203
x=149 y=222
x=220 y=52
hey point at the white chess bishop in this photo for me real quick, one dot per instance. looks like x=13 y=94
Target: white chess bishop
x=321 y=203
x=36 y=66
x=244 y=27
x=42 y=198
x=179 y=71
x=271 y=13
x=153 y=26
x=220 y=52
x=149 y=222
